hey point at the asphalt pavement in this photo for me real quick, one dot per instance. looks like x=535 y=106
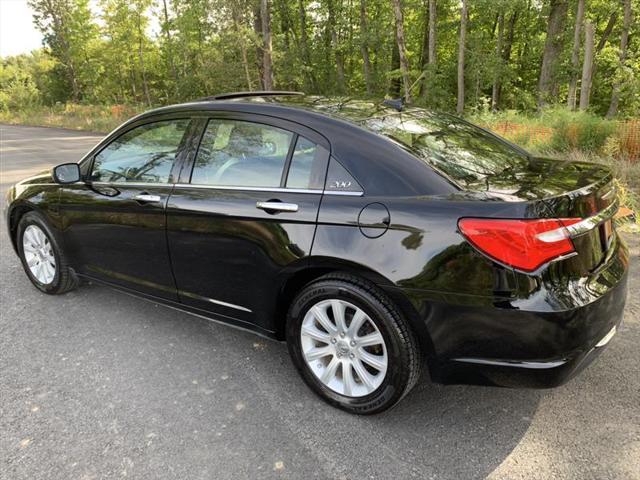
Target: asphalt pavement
x=96 y=384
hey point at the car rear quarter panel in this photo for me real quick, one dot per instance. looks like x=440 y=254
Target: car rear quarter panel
x=462 y=303
x=420 y=256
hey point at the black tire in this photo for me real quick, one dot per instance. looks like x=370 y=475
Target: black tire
x=403 y=351
x=64 y=278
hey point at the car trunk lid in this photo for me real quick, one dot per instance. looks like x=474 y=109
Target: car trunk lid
x=563 y=190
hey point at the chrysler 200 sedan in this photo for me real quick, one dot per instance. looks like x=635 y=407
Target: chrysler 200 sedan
x=374 y=239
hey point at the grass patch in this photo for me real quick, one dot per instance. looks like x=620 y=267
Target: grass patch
x=94 y=118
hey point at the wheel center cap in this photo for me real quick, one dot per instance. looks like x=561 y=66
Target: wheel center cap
x=343 y=348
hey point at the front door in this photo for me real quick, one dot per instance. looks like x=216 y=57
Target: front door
x=115 y=222
x=244 y=219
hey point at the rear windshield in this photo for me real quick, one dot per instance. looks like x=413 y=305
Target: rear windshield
x=465 y=153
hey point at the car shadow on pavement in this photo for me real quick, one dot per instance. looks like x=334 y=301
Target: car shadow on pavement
x=117 y=379
x=442 y=431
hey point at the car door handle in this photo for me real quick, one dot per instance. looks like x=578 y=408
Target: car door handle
x=277 y=206
x=146 y=198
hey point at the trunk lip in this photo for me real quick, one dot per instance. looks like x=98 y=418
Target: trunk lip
x=589 y=223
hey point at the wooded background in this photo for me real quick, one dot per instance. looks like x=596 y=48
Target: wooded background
x=459 y=55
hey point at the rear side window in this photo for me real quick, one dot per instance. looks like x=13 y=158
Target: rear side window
x=241 y=154
x=308 y=165
x=144 y=154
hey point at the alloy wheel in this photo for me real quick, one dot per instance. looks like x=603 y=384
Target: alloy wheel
x=343 y=347
x=38 y=254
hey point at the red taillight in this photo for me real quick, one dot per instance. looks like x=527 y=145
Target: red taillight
x=522 y=244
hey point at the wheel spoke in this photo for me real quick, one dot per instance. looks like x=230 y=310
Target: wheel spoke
x=316 y=353
x=28 y=247
x=365 y=376
x=339 y=315
x=330 y=371
x=321 y=315
x=356 y=322
x=347 y=378
x=50 y=271
x=316 y=334
x=40 y=270
x=374 y=338
x=376 y=361
x=28 y=236
x=38 y=237
x=31 y=259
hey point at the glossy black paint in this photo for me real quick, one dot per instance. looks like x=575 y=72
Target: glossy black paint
x=115 y=238
x=210 y=251
x=224 y=249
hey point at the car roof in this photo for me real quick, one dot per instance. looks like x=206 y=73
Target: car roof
x=382 y=166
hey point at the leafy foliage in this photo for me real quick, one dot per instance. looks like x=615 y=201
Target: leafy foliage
x=156 y=52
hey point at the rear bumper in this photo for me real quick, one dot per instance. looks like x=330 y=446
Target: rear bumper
x=539 y=342
x=522 y=374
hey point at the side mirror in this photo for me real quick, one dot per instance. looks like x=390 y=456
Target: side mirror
x=66 y=173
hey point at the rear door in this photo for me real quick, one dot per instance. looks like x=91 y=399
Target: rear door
x=243 y=217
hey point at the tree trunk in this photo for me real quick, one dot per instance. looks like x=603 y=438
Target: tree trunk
x=304 y=45
x=461 y=49
x=606 y=32
x=237 y=21
x=404 y=62
x=257 y=28
x=145 y=86
x=333 y=36
x=364 y=46
x=496 y=78
x=552 y=48
x=395 y=84
x=587 y=66
x=432 y=32
x=575 y=56
x=424 y=48
x=506 y=52
x=624 y=42
x=169 y=41
x=267 y=68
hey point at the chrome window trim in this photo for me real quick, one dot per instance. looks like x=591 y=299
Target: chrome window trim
x=343 y=192
x=228 y=187
x=130 y=184
x=267 y=189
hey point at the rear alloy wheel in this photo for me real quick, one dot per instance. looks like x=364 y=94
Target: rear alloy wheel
x=343 y=348
x=42 y=259
x=351 y=344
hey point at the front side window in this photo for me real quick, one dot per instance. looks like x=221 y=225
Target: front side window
x=144 y=154
x=241 y=154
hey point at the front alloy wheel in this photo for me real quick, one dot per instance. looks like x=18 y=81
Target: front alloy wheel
x=38 y=254
x=42 y=258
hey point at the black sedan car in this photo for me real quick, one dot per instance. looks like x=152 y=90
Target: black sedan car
x=373 y=238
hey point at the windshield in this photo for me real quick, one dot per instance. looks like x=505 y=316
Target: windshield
x=467 y=154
